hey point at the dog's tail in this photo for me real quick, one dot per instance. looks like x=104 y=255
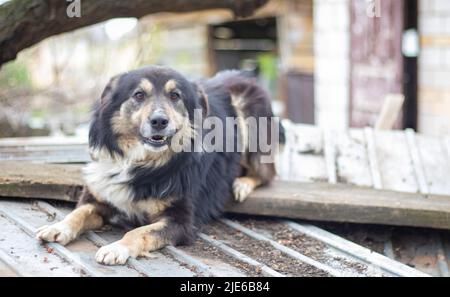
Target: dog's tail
x=249 y=98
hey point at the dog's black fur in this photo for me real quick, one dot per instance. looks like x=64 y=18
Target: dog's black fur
x=198 y=184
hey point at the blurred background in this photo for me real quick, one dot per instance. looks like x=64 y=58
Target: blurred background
x=325 y=62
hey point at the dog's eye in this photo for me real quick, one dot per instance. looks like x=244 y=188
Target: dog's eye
x=139 y=96
x=174 y=96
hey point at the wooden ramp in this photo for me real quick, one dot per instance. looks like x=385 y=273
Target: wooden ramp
x=361 y=176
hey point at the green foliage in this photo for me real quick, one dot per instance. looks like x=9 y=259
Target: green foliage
x=268 y=65
x=268 y=71
x=14 y=74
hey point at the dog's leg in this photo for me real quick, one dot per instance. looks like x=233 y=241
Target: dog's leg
x=81 y=219
x=139 y=242
x=243 y=186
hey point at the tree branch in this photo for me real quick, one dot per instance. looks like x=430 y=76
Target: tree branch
x=26 y=22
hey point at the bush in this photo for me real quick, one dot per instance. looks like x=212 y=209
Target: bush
x=15 y=74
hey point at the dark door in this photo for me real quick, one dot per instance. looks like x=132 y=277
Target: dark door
x=298 y=94
x=376 y=58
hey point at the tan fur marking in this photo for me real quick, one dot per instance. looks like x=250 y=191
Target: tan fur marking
x=145 y=239
x=119 y=124
x=252 y=181
x=146 y=85
x=243 y=186
x=153 y=207
x=142 y=114
x=83 y=218
x=170 y=85
x=238 y=103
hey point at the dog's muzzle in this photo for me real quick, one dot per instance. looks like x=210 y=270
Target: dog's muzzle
x=157 y=130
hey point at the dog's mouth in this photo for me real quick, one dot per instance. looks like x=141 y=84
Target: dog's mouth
x=156 y=140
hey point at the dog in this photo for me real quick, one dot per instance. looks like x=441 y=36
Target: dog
x=137 y=180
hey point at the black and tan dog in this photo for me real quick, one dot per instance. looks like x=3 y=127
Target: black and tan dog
x=137 y=180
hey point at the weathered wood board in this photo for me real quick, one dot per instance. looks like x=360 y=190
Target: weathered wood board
x=51 y=181
x=352 y=159
x=344 y=203
x=314 y=201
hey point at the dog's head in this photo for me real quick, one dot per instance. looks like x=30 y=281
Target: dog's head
x=141 y=111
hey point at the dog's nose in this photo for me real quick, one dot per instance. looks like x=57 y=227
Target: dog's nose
x=159 y=122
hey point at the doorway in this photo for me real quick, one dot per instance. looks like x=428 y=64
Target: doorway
x=250 y=46
x=379 y=63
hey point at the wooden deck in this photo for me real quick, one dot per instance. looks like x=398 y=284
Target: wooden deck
x=361 y=176
x=230 y=247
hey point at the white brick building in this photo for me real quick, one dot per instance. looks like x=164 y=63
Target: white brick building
x=434 y=67
x=333 y=62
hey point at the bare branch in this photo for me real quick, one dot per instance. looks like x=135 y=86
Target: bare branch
x=26 y=22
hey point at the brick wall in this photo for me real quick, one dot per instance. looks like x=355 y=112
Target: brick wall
x=434 y=67
x=332 y=62
x=296 y=35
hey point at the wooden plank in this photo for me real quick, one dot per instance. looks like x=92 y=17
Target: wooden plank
x=267 y=271
x=29 y=257
x=352 y=158
x=315 y=201
x=42 y=141
x=307 y=154
x=435 y=164
x=394 y=162
x=45 y=149
x=20 y=179
x=417 y=161
x=390 y=111
x=354 y=250
x=283 y=163
x=343 y=203
x=9 y=266
x=47 y=156
x=330 y=155
x=373 y=158
x=79 y=253
x=284 y=249
x=417 y=248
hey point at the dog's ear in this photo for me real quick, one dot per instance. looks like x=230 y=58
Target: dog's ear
x=100 y=134
x=203 y=99
x=108 y=92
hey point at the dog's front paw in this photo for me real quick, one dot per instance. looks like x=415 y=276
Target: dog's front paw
x=241 y=189
x=113 y=254
x=59 y=232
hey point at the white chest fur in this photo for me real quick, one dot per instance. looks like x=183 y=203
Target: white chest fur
x=108 y=181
